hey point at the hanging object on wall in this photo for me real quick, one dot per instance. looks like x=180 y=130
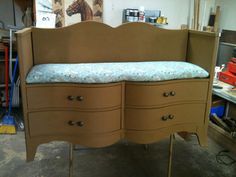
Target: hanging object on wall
x=69 y=12
x=27 y=17
x=45 y=17
x=58 y=9
x=83 y=10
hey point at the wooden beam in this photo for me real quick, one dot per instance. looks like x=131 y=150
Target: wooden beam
x=222 y=137
x=196 y=14
x=217 y=19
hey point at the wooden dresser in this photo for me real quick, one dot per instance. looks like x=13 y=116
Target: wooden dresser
x=99 y=115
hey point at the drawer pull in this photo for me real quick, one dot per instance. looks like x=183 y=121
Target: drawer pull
x=164 y=118
x=71 y=98
x=71 y=123
x=171 y=116
x=80 y=124
x=80 y=98
x=172 y=93
x=166 y=94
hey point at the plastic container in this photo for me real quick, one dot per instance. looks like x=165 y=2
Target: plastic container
x=142 y=14
x=218 y=107
x=218 y=110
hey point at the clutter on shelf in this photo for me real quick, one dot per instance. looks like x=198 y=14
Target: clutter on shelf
x=229 y=76
x=223 y=101
x=7 y=61
x=141 y=15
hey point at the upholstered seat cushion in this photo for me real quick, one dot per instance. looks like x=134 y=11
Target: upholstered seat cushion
x=114 y=72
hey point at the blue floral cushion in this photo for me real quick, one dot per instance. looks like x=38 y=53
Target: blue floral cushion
x=114 y=72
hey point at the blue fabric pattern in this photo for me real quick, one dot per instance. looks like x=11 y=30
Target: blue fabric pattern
x=114 y=72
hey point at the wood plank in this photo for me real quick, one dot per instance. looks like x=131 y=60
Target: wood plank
x=222 y=137
x=196 y=14
x=217 y=19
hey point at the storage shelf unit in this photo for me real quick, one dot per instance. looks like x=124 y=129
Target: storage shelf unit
x=12 y=54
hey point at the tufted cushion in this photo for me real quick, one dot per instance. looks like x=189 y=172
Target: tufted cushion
x=114 y=72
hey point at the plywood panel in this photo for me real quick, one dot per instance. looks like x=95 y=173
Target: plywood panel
x=97 y=42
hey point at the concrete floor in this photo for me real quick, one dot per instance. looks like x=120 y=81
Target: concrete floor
x=120 y=160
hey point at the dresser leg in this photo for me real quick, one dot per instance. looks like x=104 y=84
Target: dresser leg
x=202 y=136
x=170 y=155
x=31 y=151
x=71 y=148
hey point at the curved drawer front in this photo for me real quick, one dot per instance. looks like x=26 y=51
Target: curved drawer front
x=53 y=123
x=73 y=97
x=151 y=119
x=144 y=95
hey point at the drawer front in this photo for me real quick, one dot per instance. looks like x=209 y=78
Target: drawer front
x=145 y=95
x=151 y=119
x=74 y=97
x=64 y=123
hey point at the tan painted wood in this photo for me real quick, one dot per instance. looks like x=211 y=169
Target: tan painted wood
x=56 y=123
x=201 y=49
x=96 y=42
x=94 y=97
x=97 y=140
x=146 y=95
x=151 y=119
x=152 y=136
x=25 y=52
x=25 y=56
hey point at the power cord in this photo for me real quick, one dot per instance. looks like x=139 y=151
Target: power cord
x=224 y=158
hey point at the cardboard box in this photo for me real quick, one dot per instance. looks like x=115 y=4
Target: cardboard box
x=232 y=67
x=227 y=77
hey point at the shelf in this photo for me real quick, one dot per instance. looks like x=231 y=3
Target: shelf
x=3 y=85
x=158 y=24
x=224 y=92
x=228 y=44
x=222 y=137
x=2 y=60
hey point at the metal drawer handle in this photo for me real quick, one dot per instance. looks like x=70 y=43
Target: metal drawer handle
x=164 y=118
x=166 y=94
x=80 y=124
x=171 y=116
x=71 y=98
x=172 y=93
x=71 y=123
x=80 y=98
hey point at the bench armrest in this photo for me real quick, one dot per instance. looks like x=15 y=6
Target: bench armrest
x=202 y=49
x=25 y=52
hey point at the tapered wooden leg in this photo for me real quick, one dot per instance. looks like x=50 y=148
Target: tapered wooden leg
x=31 y=149
x=202 y=136
x=71 y=148
x=170 y=155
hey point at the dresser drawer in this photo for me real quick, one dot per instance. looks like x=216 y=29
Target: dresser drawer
x=145 y=95
x=63 y=123
x=80 y=97
x=151 y=119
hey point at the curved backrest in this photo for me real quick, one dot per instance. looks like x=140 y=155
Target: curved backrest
x=97 y=42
